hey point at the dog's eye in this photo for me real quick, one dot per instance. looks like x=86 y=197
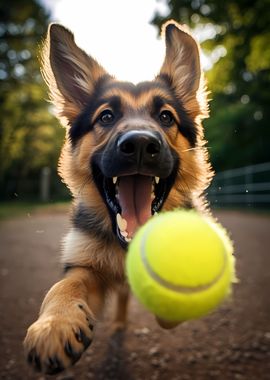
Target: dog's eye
x=106 y=117
x=166 y=118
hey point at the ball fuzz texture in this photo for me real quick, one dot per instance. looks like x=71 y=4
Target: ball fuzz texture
x=180 y=265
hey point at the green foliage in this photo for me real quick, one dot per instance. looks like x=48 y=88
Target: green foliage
x=234 y=134
x=259 y=56
x=30 y=137
x=237 y=130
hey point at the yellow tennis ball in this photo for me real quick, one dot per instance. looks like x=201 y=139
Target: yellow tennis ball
x=180 y=265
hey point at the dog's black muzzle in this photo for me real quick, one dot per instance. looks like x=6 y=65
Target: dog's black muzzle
x=137 y=151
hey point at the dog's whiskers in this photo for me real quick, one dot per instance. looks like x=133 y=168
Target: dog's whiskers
x=195 y=148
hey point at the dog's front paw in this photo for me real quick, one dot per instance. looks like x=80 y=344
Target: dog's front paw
x=56 y=341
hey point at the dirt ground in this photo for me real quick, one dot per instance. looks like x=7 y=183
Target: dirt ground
x=231 y=343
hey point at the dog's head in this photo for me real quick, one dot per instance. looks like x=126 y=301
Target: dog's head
x=131 y=150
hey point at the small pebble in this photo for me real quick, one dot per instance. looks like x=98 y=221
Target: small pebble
x=154 y=351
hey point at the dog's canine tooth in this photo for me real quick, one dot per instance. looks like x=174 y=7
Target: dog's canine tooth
x=114 y=180
x=122 y=223
x=157 y=180
x=127 y=239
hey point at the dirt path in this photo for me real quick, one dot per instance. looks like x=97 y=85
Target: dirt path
x=232 y=343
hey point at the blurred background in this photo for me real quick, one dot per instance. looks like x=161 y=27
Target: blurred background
x=233 y=343
x=124 y=36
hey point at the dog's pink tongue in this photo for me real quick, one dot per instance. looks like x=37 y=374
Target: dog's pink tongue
x=135 y=200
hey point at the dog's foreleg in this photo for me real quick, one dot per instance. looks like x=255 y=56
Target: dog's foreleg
x=65 y=325
x=121 y=307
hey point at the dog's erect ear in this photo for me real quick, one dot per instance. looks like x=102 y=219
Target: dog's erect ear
x=69 y=72
x=182 y=62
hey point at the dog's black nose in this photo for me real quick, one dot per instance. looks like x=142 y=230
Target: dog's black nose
x=141 y=146
x=138 y=151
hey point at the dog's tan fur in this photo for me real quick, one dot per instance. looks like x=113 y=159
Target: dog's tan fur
x=98 y=266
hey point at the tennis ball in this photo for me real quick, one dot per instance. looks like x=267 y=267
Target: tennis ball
x=180 y=265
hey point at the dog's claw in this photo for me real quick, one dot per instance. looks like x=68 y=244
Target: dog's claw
x=74 y=355
x=53 y=366
x=83 y=338
x=34 y=360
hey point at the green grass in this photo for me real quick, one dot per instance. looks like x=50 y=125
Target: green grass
x=14 y=208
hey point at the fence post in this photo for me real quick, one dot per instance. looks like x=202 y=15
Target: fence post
x=45 y=184
x=227 y=182
x=248 y=181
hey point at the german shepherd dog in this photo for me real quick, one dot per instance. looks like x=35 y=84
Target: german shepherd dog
x=131 y=151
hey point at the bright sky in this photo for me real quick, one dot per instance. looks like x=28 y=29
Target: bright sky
x=119 y=35
x=116 y=32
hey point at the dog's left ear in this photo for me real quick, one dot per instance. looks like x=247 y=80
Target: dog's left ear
x=70 y=73
x=182 y=61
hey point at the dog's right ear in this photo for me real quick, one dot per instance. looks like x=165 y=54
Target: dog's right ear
x=69 y=72
x=182 y=69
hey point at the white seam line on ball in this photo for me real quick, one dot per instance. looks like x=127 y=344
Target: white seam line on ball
x=167 y=284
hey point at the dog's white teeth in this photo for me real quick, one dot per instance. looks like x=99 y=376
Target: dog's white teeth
x=114 y=180
x=121 y=222
x=122 y=225
x=155 y=213
x=124 y=233
x=157 y=180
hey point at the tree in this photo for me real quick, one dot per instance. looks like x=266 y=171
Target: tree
x=30 y=136
x=237 y=130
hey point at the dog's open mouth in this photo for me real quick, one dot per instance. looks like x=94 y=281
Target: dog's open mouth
x=134 y=174
x=133 y=199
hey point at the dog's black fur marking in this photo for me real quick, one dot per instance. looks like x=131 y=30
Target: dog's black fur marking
x=82 y=124
x=88 y=220
x=186 y=127
x=67 y=267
